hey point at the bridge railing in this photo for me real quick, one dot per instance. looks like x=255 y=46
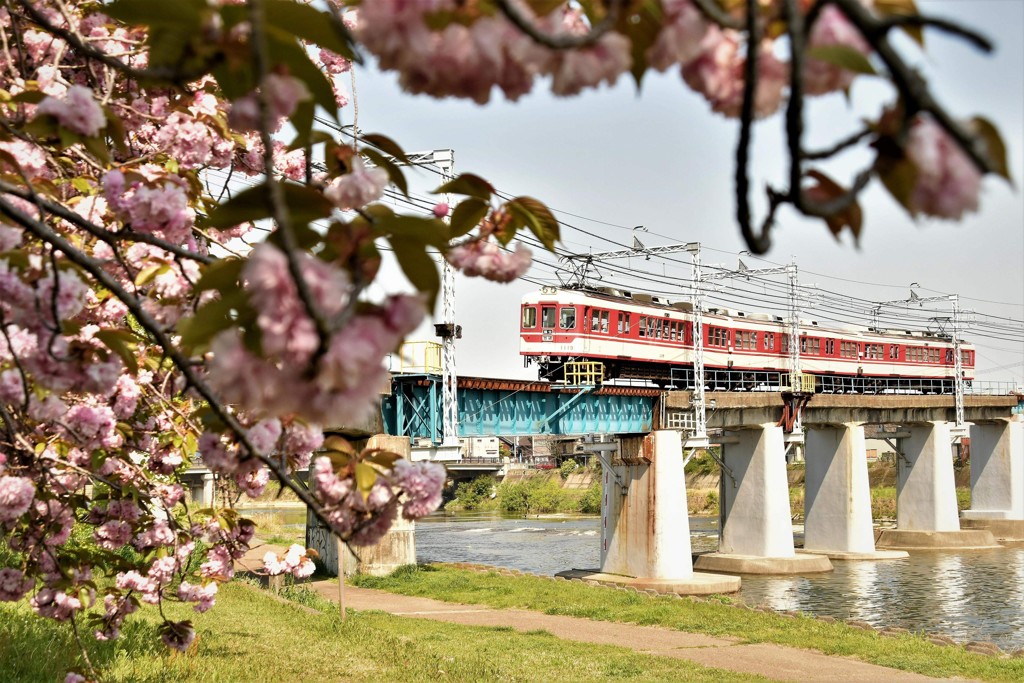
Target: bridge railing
x=990 y=388
x=417 y=357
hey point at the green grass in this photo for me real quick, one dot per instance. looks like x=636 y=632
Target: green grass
x=907 y=652
x=250 y=636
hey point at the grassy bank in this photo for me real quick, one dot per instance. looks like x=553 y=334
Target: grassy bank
x=714 y=617
x=251 y=636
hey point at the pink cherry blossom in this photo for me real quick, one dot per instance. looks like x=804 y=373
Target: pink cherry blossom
x=13 y=585
x=717 y=74
x=16 y=494
x=358 y=187
x=487 y=259
x=831 y=29
x=203 y=596
x=77 y=111
x=422 y=483
x=948 y=183
x=679 y=41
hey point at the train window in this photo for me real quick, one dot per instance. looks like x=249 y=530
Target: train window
x=785 y=343
x=933 y=355
x=810 y=345
x=966 y=357
x=623 y=323
x=595 y=320
x=567 y=319
x=769 y=341
x=641 y=327
x=830 y=347
x=949 y=356
x=547 y=317
x=848 y=349
x=604 y=321
x=746 y=340
x=529 y=317
x=658 y=334
x=894 y=351
x=718 y=336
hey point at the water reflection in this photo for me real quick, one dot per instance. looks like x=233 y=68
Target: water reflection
x=970 y=595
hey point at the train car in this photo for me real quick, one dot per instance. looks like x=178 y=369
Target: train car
x=638 y=336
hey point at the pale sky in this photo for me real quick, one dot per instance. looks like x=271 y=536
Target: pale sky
x=612 y=159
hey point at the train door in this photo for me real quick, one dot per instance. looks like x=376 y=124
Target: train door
x=548 y=318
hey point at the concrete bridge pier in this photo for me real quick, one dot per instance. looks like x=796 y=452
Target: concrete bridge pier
x=837 y=501
x=645 y=526
x=926 y=508
x=997 y=479
x=756 y=523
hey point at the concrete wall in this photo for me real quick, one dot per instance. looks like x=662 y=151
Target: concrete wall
x=925 y=488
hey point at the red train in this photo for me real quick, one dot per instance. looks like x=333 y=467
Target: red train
x=637 y=336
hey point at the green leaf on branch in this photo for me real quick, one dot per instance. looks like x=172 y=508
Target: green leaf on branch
x=386 y=145
x=467 y=184
x=467 y=215
x=993 y=147
x=533 y=214
x=417 y=229
x=366 y=477
x=826 y=190
x=842 y=56
x=418 y=267
x=899 y=176
x=185 y=13
x=146 y=275
x=121 y=342
x=213 y=317
x=385 y=459
x=29 y=97
x=311 y=25
x=304 y=203
x=221 y=275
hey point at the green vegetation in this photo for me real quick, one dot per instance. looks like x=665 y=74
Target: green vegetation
x=472 y=494
x=540 y=493
x=713 y=617
x=250 y=635
x=567 y=468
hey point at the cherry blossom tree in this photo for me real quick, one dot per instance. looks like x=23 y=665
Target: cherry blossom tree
x=155 y=312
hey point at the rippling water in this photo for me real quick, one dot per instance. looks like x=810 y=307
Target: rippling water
x=967 y=595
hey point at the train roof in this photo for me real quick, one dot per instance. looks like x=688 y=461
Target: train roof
x=612 y=294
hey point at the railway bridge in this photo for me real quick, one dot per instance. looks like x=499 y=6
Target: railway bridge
x=645 y=532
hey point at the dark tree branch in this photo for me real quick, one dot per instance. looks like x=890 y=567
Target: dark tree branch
x=111 y=238
x=561 y=41
x=909 y=83
x=260 y=51
x=945 y=25
x=757 y=243
x=839 y=146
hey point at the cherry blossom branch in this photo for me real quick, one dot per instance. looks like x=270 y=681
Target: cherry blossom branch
x=152 y=74
x=910 y=84
x=839 y=146
x=260 y=51
x=184 y=364
x=561 y=41
x=945 y=25
x=111 y=238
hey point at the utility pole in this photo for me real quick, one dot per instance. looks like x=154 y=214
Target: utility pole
x=960 y=428
x=791 y=272
x=699 y=438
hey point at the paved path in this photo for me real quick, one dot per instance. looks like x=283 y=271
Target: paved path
x=777 y=662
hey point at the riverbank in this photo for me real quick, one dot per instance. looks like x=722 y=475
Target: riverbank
x=578 y=490
x=523 y=627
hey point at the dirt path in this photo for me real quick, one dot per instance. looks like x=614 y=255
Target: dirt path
x=772 y=661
